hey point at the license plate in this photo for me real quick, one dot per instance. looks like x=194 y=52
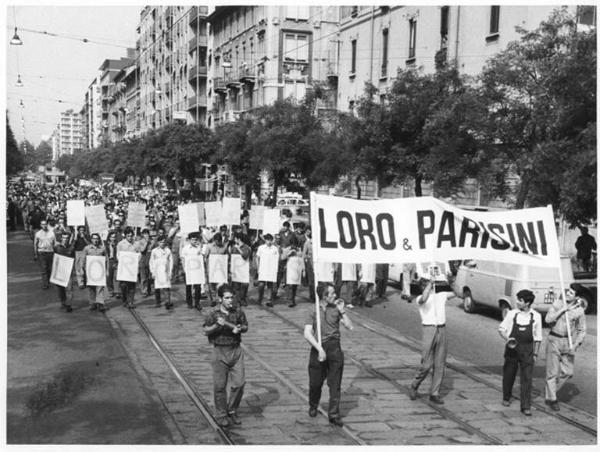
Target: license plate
x=549 y=297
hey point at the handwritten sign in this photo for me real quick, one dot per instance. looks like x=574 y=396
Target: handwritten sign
x=127 y=268
x=240 y=269
x=295 y=265
x=433 y=270
x=188 y=218
x=95 y=270
x=267 y=267
x=96 y=218
x=212 y=211
x=162 y=277
x=217 y=268
x=136 y=214
x=256 y=217
x=271 y=220
x=232 y=209
x=62 y=267
x=194 y=270
x=75 y=212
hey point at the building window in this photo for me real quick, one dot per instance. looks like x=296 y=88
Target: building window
x=384 y=52
x=295 y=47
x=297 y=12
x=353 y=67
x=412 y=38
x=294 y=89
x=494 y=19
x=586 y=15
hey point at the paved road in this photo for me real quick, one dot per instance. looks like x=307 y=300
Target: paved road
x=474 y=338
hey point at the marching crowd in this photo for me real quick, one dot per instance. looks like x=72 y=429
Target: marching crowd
x=164 y=249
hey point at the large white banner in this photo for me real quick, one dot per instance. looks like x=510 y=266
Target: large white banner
x=428 y=230
x=188 y=218
x=136 y=214
x=95 y=270
x=232 y=210
x=75 y=212
x=96 y=218
x=127 y=267
x=194 y=270
x=62 y=266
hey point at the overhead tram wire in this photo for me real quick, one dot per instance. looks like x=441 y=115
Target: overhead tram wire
x=74 y=38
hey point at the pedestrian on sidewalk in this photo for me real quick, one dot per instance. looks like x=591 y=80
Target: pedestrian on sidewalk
x=66 y=247
x=97 y=294
x=224 y=326
x=161 y=268
x=326 y=360
x=432 y=309
x=43 y=251
x=522 y=331
x=560 y=358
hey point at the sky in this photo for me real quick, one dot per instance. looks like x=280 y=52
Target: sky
x=59 y=68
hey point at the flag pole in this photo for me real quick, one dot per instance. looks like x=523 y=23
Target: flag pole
x=314 y=237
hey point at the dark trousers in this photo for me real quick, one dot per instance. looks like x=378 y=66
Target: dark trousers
x=228 y=369
x=291 y=292
x=241 y=292
x=520 y=357
x=45 y=260
x=111 y=270
x=65 y=294
x=433 y=358
x=261 y=290
x=197 y=289
x=161 y=295
x=127 y=291
x=331 y=369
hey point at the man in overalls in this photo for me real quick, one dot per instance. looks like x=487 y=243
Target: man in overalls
x=522 y=331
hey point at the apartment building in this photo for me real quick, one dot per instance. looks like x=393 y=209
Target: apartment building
x=124 y=104
x=91 y=116
x=259 y=54
x=109 y=70
x=69 y=133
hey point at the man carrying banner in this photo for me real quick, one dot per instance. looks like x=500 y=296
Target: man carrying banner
x=432 y=309
x=43 y=251
x=97 y=294
x=326 y=359
x=80 y=242
x=192 y=250
x=65 y=248
x=560 y=358
x=522 y=331
x=127 y=244
x=111 y=263
x=224 y=326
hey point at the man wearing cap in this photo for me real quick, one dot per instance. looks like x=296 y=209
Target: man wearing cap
x=560 y=357
x=432 y=308
x=522 y=331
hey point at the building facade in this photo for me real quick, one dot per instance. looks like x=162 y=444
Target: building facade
x=109 y=70
x=91 y=116
x=69 y=133
x=259 y=54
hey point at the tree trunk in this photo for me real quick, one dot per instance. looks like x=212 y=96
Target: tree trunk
x=358 y=189
x=248 y=191
x=418 y=189
x=523 y=191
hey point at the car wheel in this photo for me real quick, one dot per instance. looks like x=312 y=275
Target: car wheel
x=468 y=303
x=504 y=309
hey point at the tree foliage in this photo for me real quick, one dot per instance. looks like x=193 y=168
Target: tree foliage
x=14 y=157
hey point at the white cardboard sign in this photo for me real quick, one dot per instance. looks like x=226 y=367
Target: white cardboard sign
x=232 y=209
x=212 y=211
x=257 y=217
x=127 y=268
x=271 y=220
x=295 y=265
x=95 y=270
x=194 y=270
x=217 y=268
x=136 y=214
x=75 y=212
x=62 y=266
x=188 y=218
x=96 y=218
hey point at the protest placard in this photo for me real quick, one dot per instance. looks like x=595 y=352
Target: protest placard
x=348 y=272
x=95 y=271
x=75 y=212
x=257 y=217
x=194 y=270
x=433 y=270
x=271 y=220
x=240 y=269
x=188 y=218
x=267 y=267
x=324 y=271
x=295 y=265
x=217 y=268
x=426 y=229
x=127 y=268
x=162 y=277
x=212 y=212
x=96 y=218
x=201 y=216
x=232 y=210
x=62 y=266
x=136 y=215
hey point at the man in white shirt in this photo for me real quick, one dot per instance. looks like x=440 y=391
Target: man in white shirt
x=43 y=251
x=267 y=258
x=432 y=308
x=522 y=331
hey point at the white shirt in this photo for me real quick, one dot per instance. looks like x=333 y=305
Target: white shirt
x=433 y=311
x=523 y=318
x=45 y=240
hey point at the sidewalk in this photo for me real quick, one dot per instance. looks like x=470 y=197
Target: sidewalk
x=69 y=381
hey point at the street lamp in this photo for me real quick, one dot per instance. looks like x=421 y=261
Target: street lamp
x=19 y=82
x=16 y=41
x=21 y=104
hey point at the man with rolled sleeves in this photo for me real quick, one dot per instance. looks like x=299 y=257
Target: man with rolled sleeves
x=560 y=358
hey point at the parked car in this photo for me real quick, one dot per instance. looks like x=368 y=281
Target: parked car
x=495 y=284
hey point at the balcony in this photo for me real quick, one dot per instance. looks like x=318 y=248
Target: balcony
x=196 y=102
x=247 y=74
x=232 y=79
x=198 y=12
x=196 y=72
x=219 y=84
x=197 y=41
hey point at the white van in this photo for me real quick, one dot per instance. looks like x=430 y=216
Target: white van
x=496 y=284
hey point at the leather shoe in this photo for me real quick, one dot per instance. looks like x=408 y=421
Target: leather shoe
x=336 y=421
x=235 y=419
x=222 y=422
x=436 y=399
x=553 y=404
x=312 y=412
x=102 y=308
x=526 y=412
x=506 y=403
x=269 y=304
x=412 y=393
x=69 y=308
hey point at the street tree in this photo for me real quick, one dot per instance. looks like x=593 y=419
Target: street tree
x=541 y=122
x=14 y=157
